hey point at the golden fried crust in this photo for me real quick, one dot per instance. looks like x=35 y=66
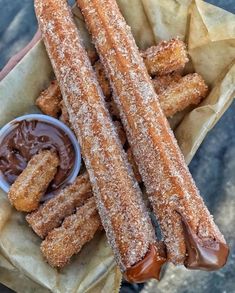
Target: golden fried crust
x=161 y=83
x=174 y=91
x=78 y=229
x=26 y=192
x=102 y=79
x=168 y=182
x=180 y=93
x=52 y=212
x=124 y=215
x=161 y=59
x=49 y=100
x=166 y=57
x=134 y=165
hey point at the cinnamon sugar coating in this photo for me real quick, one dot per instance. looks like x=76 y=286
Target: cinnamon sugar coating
x=78 y=229
x=134 y=166
x=180 y=92
x=162 y=82
x=166 y=57
x=51 y=213
x=26 y=192
x=102 y=79
x=169 y=184
x=118 y=197
x=49 y=100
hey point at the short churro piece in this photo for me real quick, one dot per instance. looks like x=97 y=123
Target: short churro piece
x=52 y=212
x=161 y=83
x=189 y=232
x=102 y=79
x=119 y=200
x=166 y=57
x=49 y=100
x=181 y=93
x=78 y=229
x=26 y=192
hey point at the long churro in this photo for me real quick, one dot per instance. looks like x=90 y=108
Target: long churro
x=52 y=212
x=123 y=213
x=190 y=235
x=78 y=229
x=166 y=57
x=180 y=92
x=26 y=192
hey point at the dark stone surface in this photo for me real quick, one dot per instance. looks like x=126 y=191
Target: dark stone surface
x=213 y=167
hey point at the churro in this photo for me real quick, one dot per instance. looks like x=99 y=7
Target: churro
x=78 y=229
x=180 y=93
x=49 y=100
x=123 y=213
x=190 y=235
x=166 y=57
x=120 y=131
x=26 y=192
x=161 y=83
x=51 y=213
x=175 y=93
x=102 y=79
x=134 y=166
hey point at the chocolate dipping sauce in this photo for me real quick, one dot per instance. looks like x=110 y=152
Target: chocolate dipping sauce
x=208 y=256
x=26 y=140
x=149 y=267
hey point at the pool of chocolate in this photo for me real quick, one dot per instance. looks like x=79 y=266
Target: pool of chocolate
x=26 y=140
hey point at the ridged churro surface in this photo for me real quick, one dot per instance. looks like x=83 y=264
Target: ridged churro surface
x=26 y=192
x=170 y=187
x=166 y=57
x=52 y=212
x=78 y=229
x=124 y=216
x=180 y=92
x=49 y=100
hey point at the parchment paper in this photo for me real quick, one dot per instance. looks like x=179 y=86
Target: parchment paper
x=210 y=34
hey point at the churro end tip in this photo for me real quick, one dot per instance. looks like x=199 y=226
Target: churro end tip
x=148 y=268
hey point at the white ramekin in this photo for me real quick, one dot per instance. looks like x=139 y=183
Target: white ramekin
x=4 y=185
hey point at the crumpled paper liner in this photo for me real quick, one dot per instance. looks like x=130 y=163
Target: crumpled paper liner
x=209 y=32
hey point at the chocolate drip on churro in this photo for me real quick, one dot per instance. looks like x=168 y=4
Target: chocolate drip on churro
x=149 y=267
x=26 y=140
x=207 y=255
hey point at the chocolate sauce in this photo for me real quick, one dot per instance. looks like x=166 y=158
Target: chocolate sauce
x=26 y=140
x=149 y=267
x=209 y=256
